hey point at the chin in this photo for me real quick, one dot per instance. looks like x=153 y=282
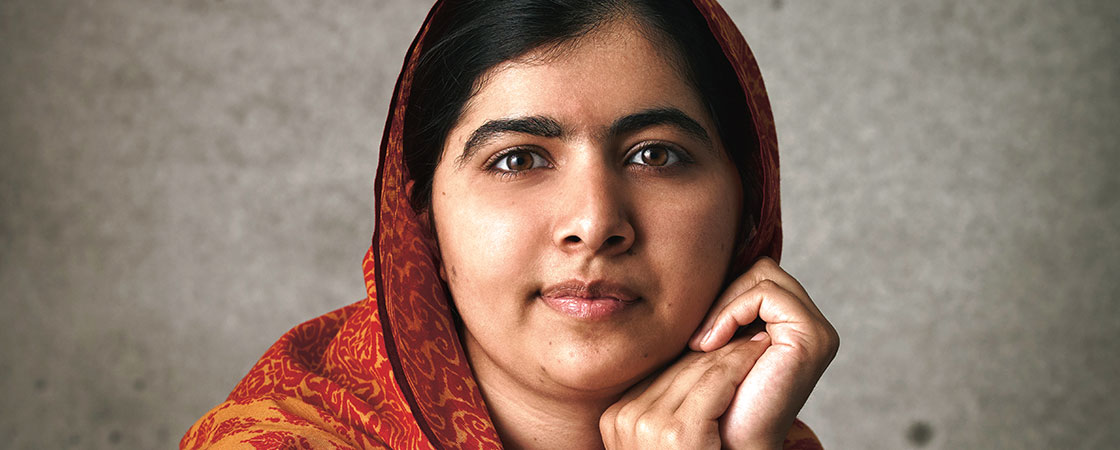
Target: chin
x=598 y=370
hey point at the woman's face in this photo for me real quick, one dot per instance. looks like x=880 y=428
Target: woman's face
x=586 y=214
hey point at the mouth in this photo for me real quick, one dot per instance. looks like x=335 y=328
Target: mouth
x=588 y=301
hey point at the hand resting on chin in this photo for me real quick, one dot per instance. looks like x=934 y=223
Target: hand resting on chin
x=732 y=389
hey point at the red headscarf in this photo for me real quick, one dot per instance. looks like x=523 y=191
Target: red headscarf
x=390 y=369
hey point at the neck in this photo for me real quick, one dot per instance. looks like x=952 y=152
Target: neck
x=527 y=418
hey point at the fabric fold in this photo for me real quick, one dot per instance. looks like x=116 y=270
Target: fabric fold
x=390 y=370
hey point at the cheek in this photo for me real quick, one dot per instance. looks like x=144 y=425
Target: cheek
x=486 y=247
x=698 y=222
x=691 y=235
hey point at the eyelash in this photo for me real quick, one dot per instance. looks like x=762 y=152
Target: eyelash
x=491 y=164
x=682 y=156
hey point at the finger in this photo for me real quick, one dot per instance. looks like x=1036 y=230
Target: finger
x=662 y=393
x=770 y=396
x=654 y=386
x=609 y=422
x=767 y=301
x=768 y=269
x=627 y=417
x=763 y=269
x=608 y=425
x=674 y=392
x=636 y=391
x=709 y=397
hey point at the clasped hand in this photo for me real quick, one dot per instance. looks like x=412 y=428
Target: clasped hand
x=732 y=391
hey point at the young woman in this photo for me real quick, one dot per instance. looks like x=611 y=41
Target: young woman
x=576 y=246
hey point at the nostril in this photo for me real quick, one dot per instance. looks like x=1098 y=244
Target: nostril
x=572 y=239
x=614 y=240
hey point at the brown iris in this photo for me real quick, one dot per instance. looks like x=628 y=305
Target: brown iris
x=655 y=156
x=518 y=161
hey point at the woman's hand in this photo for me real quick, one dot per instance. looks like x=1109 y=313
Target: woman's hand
x=681 y=406
x=802 y=344
x=738 y=393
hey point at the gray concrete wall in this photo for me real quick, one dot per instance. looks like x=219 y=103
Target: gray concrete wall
x=171 y=170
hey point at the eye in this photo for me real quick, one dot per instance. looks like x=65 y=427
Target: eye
x=655 y=155
x=519 y=160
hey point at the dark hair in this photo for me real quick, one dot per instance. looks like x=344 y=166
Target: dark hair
x=471 y=36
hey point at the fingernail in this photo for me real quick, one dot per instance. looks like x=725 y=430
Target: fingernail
x=760 y=336
x=708 y=335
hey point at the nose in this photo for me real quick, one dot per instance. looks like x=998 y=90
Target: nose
x=592 y=217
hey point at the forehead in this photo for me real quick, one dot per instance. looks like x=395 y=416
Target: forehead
x=613 y=71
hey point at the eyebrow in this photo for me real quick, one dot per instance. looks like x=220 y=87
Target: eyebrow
x=548 y=127
x=535 y=125
x=659 y=116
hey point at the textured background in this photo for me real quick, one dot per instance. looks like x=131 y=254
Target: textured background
x=183 y=181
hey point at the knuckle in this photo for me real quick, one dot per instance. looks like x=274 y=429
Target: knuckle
x=720 y=358
x=832 y=341
x=625 y=416
x=717 y=369
x=768 y=286
x=706 y=359
x=648 y=425
x=610 y=415
x=631 y=416
x=673 y=435
x=803 y=353
x=691 y=358
x=607 y=427
x=766 y=261
x=715 y=375
x=822 y=346
x=826 y=339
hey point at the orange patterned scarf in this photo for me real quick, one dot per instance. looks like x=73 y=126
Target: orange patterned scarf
x=389 y=371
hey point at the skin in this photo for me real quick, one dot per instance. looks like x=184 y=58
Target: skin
x=653 y=209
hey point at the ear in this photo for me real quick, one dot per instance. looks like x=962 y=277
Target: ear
x=752 y=228
x=408 y=185
x=425 y=219
x=442 y=272
x=745 y=238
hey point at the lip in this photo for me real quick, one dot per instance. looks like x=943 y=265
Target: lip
x=589 y=301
